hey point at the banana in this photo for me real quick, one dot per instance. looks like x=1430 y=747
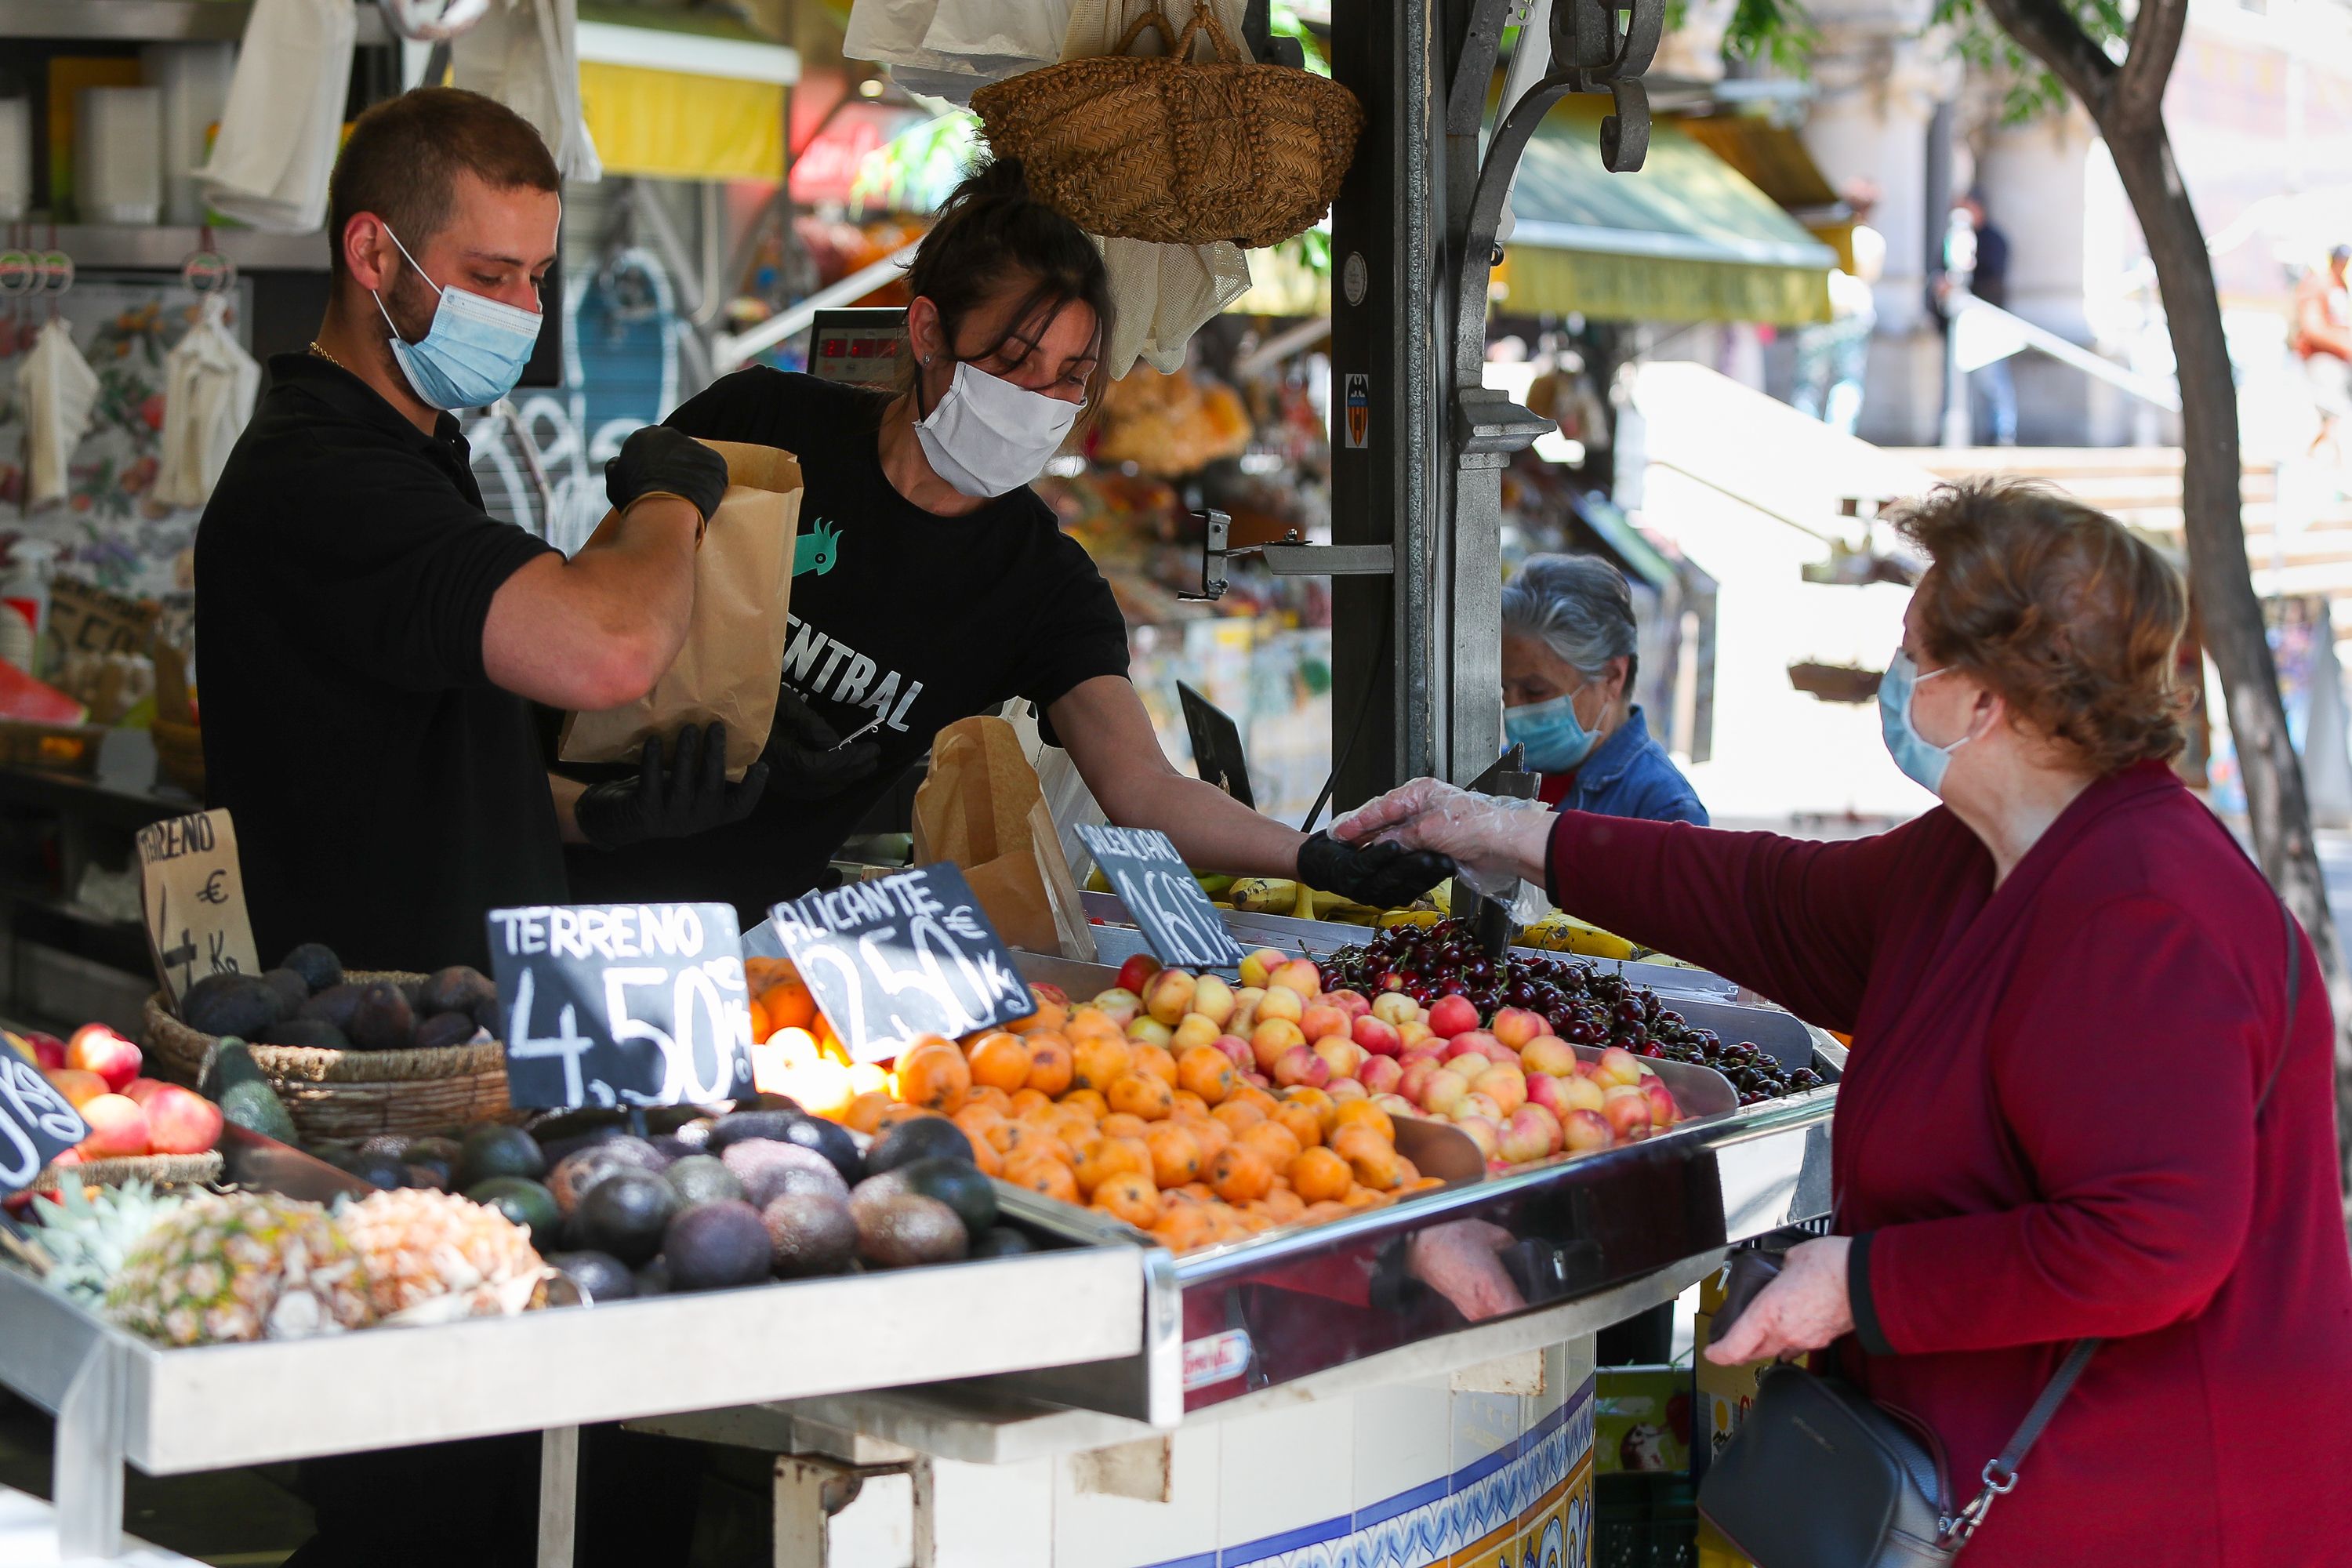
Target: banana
x=1302 y=907
x=1212 y=884
x=1410 y=918
x=1264 y=895
x=1097 y=882
x=1353 y=915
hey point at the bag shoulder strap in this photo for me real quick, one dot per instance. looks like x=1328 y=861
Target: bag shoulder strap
x=2000 y=1475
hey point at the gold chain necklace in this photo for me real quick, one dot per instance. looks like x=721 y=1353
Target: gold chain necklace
x=328 y=357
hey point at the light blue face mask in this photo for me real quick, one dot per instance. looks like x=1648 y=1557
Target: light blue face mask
x=1556 y=741
x=474 y=354
x=1922 y=760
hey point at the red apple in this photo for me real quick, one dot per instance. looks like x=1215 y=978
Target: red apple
x=142 y=1089
x=1321 y=1021
x=1377 y=1036
x=1299 y=1066
x=118 y=1128
x=1515 y=1026
x=1582 y=1132
x=97 y=1049
x=1137 y=973
x=180 y=1121
x=78 y=1086
x=1381 y=1074
x=47 y=1049
x=1452 y=1015
x=1547 y=1054
x=1354 y=1004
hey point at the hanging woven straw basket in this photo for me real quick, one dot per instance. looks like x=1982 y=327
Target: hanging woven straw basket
x=1173 y=152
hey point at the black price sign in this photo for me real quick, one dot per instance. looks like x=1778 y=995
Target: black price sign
x=907 y=954
x=618 y=1005
x=36 y=1122
x=1157 y=888
x=1216 y=745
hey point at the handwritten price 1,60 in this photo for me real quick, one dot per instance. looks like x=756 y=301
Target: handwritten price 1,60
x=31 y=1104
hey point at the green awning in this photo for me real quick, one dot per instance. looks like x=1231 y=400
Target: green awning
x=1686 y=238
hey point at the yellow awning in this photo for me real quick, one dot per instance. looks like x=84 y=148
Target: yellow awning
x=1686 y=238
x=683 y=96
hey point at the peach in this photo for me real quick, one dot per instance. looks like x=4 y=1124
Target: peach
x=1377 y=1036
x=1345 y=1088
x=1475 y=1103
x=1626 y=1108
x=78 y=1086
x=1413 y=1032
x=1193 y=1029
x=1215 y=999
x=1452 y=1015
x=1151 y=1031
x=1170 y=997
x=1582 y=1132
x=1271 y=1038
x=1506 y=1086
x=118 y=1127
x=180 y=1121
x=1119 y=1005
x=1395 y=1008
x=1515 y=1026
x=1484 y=1132
x=1234 y=1045
x=1321 y=1021
x=1618 y=1065
x=1442 y=1091
x=1281 y=1002
x=1581 y=1093
x=1664 y=1112
x=1256 y=966
x=1414 y=1079
x=142 y=1089
x=97 y=1049
x=1472 y=1042
x=1396 y=1105
x=1548 y=1054
x=1300 y=975
x=1354 y=1004
x=1527 y=1136
x=1298 y=1066
x=1343 y=1054
x=1136 y=974
x=1381 y=1074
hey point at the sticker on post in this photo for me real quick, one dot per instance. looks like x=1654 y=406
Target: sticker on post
x=1357 y=404
x=1152 y=880
x=36 y=1122
x=901 y=956
x=622 y=1004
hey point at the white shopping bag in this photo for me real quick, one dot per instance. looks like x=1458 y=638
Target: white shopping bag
x=526 y=54
x=209 y=386
x=284 y=121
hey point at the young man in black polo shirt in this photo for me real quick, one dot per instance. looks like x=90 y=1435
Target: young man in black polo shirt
x=368 y=636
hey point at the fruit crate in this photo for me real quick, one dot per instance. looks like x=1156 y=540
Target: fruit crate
x=1296 y=1302
x=1088 y=1294
x=1644 y=1521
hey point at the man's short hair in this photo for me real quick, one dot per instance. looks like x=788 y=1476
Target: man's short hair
x=402 y=162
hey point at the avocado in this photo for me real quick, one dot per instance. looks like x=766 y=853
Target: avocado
x=747 y=1124
x=232 y=1062
x=240 y=1004
x=383 y=1021
x=959 y=1186
x=600 y=1275
x=444 y=1030
x=712 y=1247
x=904 y=1229
x=832 y=1141
x=626 y=1214
x=391 y=1143
x=379 y=1170
x=310 y=1034
x=494 y=1149
x=436 y=1149
x=457 y=989
x=523 y=1201
x=317 y=964
x=291 y=988
x=1000 y=1241
x=653 y=1280
x=577 y=1174
x=919 y=1138
x=768 y=1170
x=253 y=1105
x=809 y=1233
x=491 y=1016
x=700 y=1179
x=336 y=1005
x=695 y=1134
x=428 y=1175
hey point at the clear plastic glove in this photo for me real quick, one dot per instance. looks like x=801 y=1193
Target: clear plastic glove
x=1495 y=842
x=1458 y=1261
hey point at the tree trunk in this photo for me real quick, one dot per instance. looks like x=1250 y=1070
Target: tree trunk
x=2210 y=521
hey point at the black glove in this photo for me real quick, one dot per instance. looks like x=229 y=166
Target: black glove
x=690 y=796
x=805 y=758
x=1380 y=875
x=658 y=458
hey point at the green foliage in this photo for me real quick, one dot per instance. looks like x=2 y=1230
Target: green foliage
x=1779 y=32
x=1283 y=22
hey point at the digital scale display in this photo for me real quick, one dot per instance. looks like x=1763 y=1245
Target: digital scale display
x=861 y=348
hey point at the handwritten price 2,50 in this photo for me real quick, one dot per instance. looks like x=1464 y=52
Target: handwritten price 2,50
x=935 y=1004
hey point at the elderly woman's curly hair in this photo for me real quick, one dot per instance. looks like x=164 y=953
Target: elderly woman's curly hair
x=2071 y=617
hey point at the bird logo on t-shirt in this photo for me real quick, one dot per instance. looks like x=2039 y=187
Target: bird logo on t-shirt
x=819 y=551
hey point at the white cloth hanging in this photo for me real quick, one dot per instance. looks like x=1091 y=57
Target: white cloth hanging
x=58 y=390
x=209 y=386
x=952 y=49
x=1159 y=294
x=284 y=121
x=526 y=54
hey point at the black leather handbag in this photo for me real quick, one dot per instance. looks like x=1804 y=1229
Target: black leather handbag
x=1818 y=1476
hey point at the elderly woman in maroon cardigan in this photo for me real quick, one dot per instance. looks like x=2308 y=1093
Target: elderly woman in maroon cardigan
x=2067 y=989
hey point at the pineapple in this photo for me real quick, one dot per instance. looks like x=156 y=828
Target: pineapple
x=241 y=1266
x=422 y=1247
x=89 y=1231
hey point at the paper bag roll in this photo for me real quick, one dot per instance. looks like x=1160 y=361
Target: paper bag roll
x=733 y=659
x=979 y=807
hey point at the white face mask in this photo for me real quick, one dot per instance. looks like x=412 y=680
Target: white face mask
x=988 y=436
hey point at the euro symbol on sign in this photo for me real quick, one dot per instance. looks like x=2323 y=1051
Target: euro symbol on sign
x=212 y=892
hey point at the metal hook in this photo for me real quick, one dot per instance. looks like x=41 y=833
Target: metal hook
x=207 y=269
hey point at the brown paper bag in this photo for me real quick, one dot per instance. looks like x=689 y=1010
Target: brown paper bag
x=733 y=659
x=979 y=807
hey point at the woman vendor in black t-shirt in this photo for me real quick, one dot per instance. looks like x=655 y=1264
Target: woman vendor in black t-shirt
x=931 y=584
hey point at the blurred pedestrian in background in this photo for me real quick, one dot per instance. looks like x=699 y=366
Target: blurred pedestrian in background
x=1976 y=262
x=1833 y=356
x=2321 y=336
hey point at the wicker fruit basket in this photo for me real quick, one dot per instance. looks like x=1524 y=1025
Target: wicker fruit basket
x=159 y=1169
x=354 y=1094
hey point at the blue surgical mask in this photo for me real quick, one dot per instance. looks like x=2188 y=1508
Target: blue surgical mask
x=1922 y=760
x=1554 y=738
x=474 y=354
